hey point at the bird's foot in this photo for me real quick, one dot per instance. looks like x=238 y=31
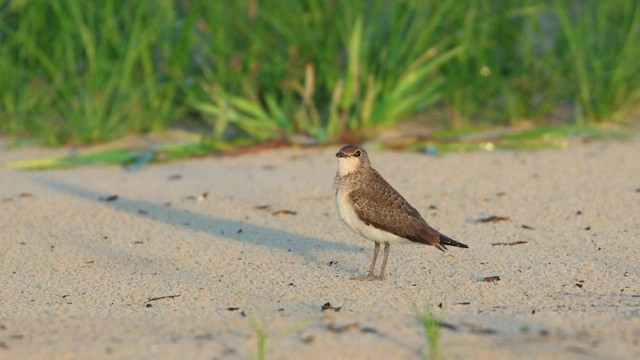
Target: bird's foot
x=368 y=277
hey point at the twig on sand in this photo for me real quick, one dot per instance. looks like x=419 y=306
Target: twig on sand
x=161 y=298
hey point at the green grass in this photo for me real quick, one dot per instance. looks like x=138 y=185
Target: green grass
x=431 y=326
x=601 y=69
x=464 y=139
x=266 y=339
x=308 y=71
x=541 y=137
x=76 y=72
x=329 y=70
x=262 y=338
x=133 y=159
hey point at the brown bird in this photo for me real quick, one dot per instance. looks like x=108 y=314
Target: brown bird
x=375 y=210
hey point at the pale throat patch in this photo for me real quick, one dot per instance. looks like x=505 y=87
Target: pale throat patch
x=347 y=165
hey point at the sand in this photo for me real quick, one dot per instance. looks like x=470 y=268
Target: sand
x=164 y=272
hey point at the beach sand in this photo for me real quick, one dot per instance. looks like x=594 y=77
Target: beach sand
x=165 y=271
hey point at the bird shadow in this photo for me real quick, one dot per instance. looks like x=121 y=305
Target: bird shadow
x=305 y=246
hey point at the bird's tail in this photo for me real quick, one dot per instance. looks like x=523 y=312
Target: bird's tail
x=445 y=240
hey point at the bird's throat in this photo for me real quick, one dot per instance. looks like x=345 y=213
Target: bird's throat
x=347 y=166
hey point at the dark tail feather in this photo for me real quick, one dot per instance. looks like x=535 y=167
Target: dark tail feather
x=445 y=240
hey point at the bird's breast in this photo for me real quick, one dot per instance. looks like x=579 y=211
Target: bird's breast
x=350 y=217
x=344 y=207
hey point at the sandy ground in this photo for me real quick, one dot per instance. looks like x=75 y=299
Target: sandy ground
x=163 y=272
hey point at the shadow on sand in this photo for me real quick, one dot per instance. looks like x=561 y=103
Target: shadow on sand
x=229 y=229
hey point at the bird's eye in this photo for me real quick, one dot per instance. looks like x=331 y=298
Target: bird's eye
x=357 y=153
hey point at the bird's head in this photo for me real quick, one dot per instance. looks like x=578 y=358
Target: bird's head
x=351 y=158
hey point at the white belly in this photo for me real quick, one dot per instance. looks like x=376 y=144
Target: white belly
x=349 y=216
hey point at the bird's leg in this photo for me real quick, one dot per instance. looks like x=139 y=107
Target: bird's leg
x=376 y=250
x=384 y=260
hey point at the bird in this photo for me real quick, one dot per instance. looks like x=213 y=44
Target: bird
x=371 y=207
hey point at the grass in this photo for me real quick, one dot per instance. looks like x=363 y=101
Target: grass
x=132 y=159
x=80 y=73
x=265 y=339
x=251 y=71
x=332 y=77
x=600 y=64
x=431 y=326
x=262 y=337
x=465 y=139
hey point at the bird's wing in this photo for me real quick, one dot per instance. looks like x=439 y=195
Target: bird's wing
x=383 y=207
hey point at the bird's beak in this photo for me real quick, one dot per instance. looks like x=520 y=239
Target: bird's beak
x=340 y=154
